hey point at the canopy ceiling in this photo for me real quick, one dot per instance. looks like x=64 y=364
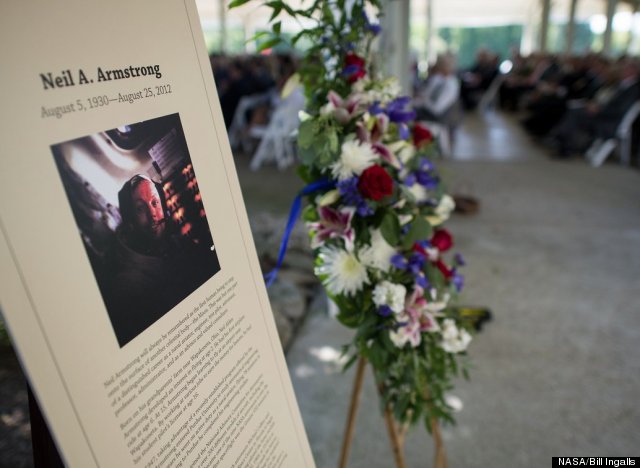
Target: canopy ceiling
x=445 y=12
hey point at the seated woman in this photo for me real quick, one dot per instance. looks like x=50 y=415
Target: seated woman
x=438 y=99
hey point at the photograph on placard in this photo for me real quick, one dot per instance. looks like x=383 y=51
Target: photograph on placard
x=136 y=202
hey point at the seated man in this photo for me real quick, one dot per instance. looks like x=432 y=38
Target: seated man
x=152 y=266
x=599 y=117
x=477 y=79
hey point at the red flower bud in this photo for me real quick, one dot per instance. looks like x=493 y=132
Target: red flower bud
x=444 y=269
x=421 y=135
x=354 y=67
x=442 y=240
x=375 y=183
x=418 y=248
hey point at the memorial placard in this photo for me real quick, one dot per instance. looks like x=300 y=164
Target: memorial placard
x=130 y=282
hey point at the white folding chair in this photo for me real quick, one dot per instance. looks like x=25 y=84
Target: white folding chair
x=442 y=135
x=276 y=138
x=489 y=97
x=600 y=150
x=239 y=123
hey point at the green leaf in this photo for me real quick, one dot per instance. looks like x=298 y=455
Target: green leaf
x=309 y=214
x=406 y=193
x=420 y=230
x=350 y=319
x=307 y=155
x=390 y=228
x=306 y=134
x=237 y=3
x=277 y=8
x=276 y=27
x=270 y=43
x=298 y=36
x=332 y=138
x=289 y=10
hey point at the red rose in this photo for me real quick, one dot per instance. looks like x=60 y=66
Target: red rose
x=442 y=240
x=375 y=183
x=421 y=135
x=354 y=67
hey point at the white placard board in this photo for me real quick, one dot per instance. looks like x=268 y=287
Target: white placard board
x=130 y=282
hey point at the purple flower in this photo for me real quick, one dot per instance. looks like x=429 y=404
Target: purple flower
x=410 y=179
x=426 y=180
x=399 y=261
x=426 y=165
x=422 y=281
x=374 y=28
x=424 y=244
x=414 y=265
x=397 y=112
x=458 y=281
x=416 y=262
x=403 y=130
x=351 y=195
x=384 y=310
x=459 y=259
x=375 y=109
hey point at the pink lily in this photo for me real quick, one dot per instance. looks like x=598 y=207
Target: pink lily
x=344 y=110
x=418 y=309
x=409 y=332
x=333 y=224
x=386 y=155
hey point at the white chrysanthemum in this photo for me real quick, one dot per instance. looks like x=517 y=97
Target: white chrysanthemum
x=406 y=153
x=442 y=211
x=446 y=206
x=435 y=306
x=329 y=198
x=390 y=294
x=392 y=87
x=454 y=340
x=354 y=158
x=378 y=254
x=344 y=272
x=419 y=192
x=327 y=109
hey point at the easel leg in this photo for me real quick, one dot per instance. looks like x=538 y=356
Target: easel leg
x=440 y=458
x=395 y=438
x=353 y=409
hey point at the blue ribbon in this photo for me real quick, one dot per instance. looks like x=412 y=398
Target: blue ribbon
x=294 y=214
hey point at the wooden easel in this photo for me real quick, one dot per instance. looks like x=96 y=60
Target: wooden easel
x=396 y=435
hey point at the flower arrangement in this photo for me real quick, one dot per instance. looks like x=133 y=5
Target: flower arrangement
x=376 y=217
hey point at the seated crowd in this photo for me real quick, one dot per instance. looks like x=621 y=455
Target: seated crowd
x=571 y=102
x=250 y=75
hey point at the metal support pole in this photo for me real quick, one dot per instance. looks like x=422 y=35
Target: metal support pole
x=571 y=27
x=608 y=32
x=544 y=24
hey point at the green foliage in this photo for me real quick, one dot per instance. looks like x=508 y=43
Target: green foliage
x=318 y=142
x=420 y=229
x=390 y=228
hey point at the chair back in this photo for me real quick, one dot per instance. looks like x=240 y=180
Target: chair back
x=624 y=129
